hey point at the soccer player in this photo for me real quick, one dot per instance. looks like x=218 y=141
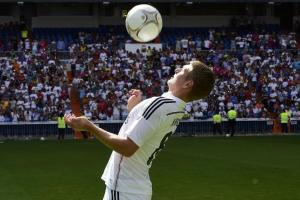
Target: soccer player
x=145 y=131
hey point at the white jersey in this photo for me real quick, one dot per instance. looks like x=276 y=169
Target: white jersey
x=149 y=125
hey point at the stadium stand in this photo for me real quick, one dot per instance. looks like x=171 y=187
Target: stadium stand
x=254 y=69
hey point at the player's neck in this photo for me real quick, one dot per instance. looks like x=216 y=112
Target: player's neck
x=179 y=95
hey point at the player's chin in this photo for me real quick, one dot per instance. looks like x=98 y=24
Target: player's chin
x=170 y=82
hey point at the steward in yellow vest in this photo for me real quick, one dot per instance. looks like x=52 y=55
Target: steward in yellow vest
x=231 y=115
x=217 y=119
x=61 y=125
x=284 y=120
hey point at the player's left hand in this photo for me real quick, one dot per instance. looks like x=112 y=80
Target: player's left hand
x=77 y=123
x=135 y=97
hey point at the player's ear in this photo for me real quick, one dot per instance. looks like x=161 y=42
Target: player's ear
x=188 y=84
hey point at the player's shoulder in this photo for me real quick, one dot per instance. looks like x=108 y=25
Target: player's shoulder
x=159 y=106
x=158 y=100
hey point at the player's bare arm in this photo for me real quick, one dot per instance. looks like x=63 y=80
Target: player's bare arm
x=122 y=145
x=135 y=97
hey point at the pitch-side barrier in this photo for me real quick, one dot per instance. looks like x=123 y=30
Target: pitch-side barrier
x=185 y=128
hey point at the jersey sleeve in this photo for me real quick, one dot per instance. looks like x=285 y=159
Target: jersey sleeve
x=142 y=129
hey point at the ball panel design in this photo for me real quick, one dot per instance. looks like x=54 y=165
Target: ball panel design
x=135 y=19
x=148 y=32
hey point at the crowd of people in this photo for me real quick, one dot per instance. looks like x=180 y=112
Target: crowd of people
x=259 y=83
x=254 y=70
x=33 y=87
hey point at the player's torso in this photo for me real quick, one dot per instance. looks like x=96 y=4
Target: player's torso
x=167 y=125
x=134 y=170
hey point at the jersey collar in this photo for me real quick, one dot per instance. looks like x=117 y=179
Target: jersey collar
x=178 y=100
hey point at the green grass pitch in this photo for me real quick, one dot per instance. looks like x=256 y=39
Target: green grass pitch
x=240 y=168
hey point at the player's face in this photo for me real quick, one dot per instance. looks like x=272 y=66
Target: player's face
x=179 y=78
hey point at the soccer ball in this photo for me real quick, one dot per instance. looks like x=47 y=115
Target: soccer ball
x=143 y=23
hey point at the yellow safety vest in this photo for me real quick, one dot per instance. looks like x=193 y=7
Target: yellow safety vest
x=61 y=122
x=232 y=114
x=217 y=118
x=284 y=118
x=24 y=34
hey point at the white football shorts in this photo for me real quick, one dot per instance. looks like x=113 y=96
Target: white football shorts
x=115 y=195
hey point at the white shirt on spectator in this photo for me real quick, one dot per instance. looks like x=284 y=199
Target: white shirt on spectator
x=2 y=118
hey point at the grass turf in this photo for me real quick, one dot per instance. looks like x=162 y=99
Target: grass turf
x=240 y=168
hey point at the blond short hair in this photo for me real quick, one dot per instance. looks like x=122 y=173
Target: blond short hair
x=203 y=79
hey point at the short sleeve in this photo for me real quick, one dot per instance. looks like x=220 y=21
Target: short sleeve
x=141 y=129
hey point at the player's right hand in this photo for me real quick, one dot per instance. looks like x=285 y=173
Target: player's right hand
x=77 y=123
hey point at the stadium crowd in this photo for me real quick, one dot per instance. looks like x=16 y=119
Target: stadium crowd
x=33 y=87
x=254 y=70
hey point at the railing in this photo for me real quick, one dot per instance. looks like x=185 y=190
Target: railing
x=186 y=127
